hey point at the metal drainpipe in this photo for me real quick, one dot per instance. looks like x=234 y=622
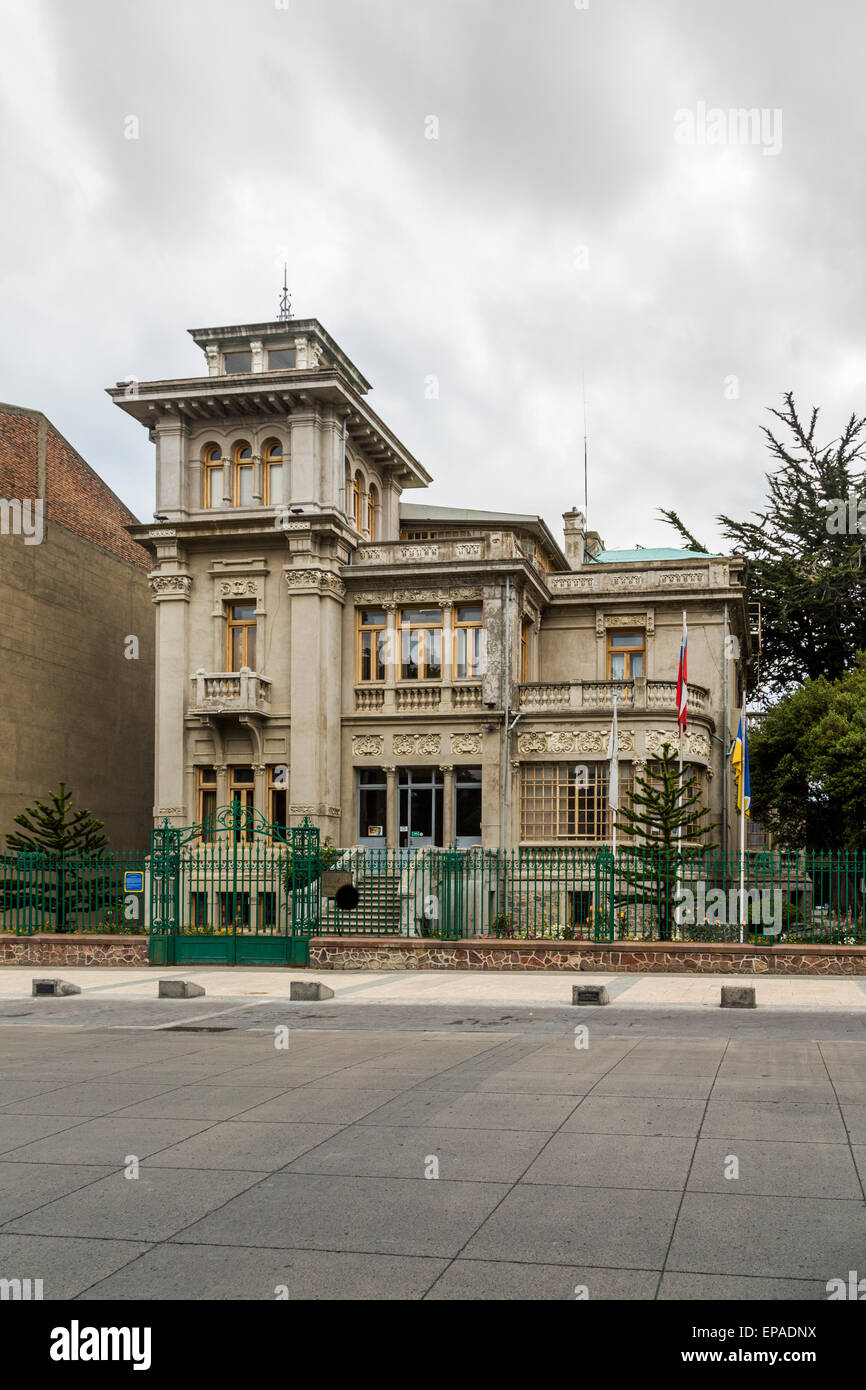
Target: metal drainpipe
x=508 y=726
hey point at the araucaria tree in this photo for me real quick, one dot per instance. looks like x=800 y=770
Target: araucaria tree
x=806 y=550
x=53 y=827
x=666 y=813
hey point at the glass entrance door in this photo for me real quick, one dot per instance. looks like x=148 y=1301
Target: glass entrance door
x=421 y=794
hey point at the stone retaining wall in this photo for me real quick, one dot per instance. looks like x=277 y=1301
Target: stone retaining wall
x=664 y=957
x=70 y=949
x=416 y=953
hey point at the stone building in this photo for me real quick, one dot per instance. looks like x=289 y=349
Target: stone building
x=76 y=692
x=406 y=675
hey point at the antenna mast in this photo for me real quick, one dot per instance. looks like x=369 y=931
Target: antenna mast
x=285 y=312
x=585 y=469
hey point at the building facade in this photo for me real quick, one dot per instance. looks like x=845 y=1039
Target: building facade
x=76 y=676
x=403 y=674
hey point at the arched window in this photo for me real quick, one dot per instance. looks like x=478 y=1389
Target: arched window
x=212 y=468
x=359 y=501
x=242 y=469
x=347 y=491
x=373 y=511
x=272 y=462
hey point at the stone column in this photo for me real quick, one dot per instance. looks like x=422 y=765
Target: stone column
x=392 y=819
x=260 y=789
x=448 y=806
x=222 y=784
x=316 y=597
x=392 y=668
x=171 y=595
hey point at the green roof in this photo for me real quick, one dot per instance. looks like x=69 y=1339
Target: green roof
x=617 y=557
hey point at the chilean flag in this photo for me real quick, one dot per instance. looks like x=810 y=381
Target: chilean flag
x=682 y=680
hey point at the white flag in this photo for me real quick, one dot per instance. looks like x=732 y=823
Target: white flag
x=613 y=777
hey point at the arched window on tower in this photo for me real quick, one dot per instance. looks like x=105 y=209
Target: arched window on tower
x=212 y=468
x=274 y=479
x=243 y=474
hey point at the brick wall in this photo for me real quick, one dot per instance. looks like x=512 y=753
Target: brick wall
x=73 y=708
x=36 y=461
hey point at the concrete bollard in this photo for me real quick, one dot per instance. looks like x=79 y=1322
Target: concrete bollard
x=589 y=994
x=738 y=996
x=303 y=990
x=180 y=989
x=52 y=988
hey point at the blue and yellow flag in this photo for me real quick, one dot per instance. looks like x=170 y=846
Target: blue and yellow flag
x=740 y=764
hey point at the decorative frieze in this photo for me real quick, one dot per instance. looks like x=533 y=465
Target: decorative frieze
x=170 y=586
x=467 y=745
x=367 y=745
x=563 y=741
x=315 y=581
x=603 y=581
x=396 y=598
x=410 y=745
x=604 y=622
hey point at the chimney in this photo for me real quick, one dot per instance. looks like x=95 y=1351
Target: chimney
x=580 y=544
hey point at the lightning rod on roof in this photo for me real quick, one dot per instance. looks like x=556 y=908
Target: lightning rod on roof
x=285 y=312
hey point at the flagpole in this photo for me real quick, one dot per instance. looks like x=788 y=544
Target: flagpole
x=684 y=679
x=744 y=753
x=613 y=753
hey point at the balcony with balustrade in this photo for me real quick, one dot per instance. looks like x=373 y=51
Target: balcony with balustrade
x=418 y=698
x=230 y=692
x=639 y=695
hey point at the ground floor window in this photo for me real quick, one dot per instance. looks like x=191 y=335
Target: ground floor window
x=467 y=806
x=242 y=789
x=372 y=806
x=206 y=800
x=267 y=910
x=420 y=808
x=278 y=791
x=234 y=909
x=568 y=801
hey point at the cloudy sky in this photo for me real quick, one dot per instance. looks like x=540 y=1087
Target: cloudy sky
x=566 y=223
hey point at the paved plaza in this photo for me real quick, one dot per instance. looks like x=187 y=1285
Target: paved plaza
x=426 y=1150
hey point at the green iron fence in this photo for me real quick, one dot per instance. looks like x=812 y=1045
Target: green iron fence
x=73 y=893
x=239 y=888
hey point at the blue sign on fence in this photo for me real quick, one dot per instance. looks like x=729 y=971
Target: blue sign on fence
x=133 y=882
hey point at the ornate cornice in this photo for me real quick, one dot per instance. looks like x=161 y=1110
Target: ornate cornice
x=315 y=581
x=169 y=586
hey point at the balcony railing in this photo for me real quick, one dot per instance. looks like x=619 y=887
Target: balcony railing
x=493 y=545
x=640 y=694
x=411 y=698
x=230 y=692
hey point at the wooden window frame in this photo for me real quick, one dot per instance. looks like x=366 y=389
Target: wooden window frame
x=467 y=625
x=237 y=464
x=269 y=461
x=204 y=788
x=212 y=468
x=422 y=628
x=233 y=623
x=373 y=506
x=627 y=652
x=524 y=650
x=555 y=809
x=358 y=500
x=275 y=787
x=362 y=628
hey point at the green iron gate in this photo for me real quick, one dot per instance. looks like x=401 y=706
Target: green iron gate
x=235 y=890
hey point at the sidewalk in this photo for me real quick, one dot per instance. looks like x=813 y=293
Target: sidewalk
x=464 y=987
